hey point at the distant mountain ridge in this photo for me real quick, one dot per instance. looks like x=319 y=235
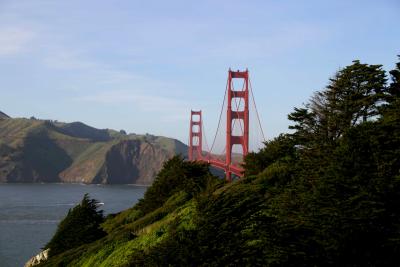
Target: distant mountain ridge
x=34 y=150
x=3 y=115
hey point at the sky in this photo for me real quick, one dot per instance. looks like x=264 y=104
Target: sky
x=142 y=66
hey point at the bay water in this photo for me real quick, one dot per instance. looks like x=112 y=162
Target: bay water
x=30 y=213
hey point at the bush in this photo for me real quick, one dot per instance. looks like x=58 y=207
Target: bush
x=176 y=175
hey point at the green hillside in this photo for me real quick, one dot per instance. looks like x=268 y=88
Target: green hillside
x=34 y=150
x=327 y=194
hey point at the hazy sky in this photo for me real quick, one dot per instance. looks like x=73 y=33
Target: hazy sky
x=142 y=65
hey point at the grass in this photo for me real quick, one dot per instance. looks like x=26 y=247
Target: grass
x=117 y=248
x=13 y=131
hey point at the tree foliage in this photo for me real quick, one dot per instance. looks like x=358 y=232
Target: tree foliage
x=339 y=203
x=80 y=226
x=326 y=194
x=394 y=88
x=353 y=95
x=176 y=175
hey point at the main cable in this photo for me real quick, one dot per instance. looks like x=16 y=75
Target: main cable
x=220 y=116
x=255 y=106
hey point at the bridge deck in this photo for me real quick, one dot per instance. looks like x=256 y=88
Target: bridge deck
x=236 y=170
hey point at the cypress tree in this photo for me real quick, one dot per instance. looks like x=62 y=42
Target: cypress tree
x=80 y=226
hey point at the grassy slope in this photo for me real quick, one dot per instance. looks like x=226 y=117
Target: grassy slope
x=13 y=131
x=149 y=224
x=274 y=218
x=128 y=233
x=131 y=234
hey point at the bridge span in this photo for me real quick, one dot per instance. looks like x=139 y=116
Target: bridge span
x=237 y=114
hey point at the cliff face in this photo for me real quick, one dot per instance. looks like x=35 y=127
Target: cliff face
x=125 y=162
x=129 y=161
x=45 y=151
x=39 y=258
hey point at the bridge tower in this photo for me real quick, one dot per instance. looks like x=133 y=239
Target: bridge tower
x=237 y=115
x=195 y=135
x=242 y=140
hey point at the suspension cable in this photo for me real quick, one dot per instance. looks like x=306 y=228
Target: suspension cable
x=255 y=106
x=205 y=137
x=220 y=117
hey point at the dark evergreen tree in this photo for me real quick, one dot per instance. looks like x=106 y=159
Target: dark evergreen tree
x=80 y=226
x=394 y=88
x=281 y=148
x=176 y=175
x=353 y=95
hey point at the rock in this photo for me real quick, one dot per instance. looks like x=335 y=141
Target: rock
x=35 y=260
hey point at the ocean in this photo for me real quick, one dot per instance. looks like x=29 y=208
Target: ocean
x=29 y=213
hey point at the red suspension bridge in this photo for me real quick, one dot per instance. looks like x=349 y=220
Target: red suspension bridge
x=239 y=128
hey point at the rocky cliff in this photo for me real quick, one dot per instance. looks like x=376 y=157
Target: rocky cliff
x=46 y=151
x=39 y=258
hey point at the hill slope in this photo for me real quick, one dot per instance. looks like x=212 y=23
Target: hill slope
x=45 y=151
x=327 y=194
x=3 y=115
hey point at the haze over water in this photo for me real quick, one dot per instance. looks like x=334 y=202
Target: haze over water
x=29 y=213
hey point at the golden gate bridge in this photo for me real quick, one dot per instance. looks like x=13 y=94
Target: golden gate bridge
x=238 y=128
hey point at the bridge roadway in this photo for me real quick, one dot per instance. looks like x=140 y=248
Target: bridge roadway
x=236 y=170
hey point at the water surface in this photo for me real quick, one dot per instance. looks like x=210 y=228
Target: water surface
x=29 y=213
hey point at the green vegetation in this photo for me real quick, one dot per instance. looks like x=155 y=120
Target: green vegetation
x=326 y=194
x=149 y=223
x=176 y=176
x=80 y=226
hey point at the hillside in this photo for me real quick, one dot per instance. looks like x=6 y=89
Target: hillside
x=3 y=115
x=45 y=151
x=327 y=194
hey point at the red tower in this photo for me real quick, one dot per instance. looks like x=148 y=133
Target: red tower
x=195 y=136
x=242 y=140
x=237 y=116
